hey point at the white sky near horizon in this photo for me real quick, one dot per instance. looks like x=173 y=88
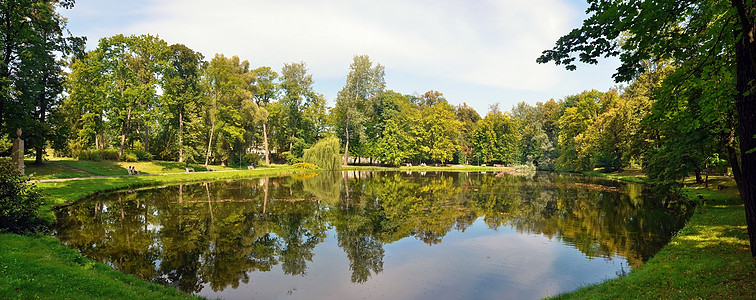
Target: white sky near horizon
x=480 y=52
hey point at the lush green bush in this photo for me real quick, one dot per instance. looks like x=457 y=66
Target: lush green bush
x=324 y=154
x=96 y=154
x=19 y=201
x=130 y=157
x=142 y=155
x=290 y=158
x=252 y=158
x=304 y=165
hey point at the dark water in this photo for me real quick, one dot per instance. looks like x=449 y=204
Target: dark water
x=376 y=235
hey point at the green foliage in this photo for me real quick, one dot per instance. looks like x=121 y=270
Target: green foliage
x=129 y=157
x=496 y=138
x=354 y=102
x=19 y=201
x=142 y=155
x=305 y=165
x=96 y=154
x=251 y=158
x=324 y=154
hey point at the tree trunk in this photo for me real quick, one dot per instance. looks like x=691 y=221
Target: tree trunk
x=146 y=138
x=210 y=143
x=697 y=170
x=181 y=134
x=124 y=131
x=745 y=103
x=265 y=144
x=346 y=148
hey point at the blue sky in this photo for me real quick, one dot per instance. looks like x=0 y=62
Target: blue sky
x=475 y=51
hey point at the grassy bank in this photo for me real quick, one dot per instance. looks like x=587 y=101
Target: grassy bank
x=708 y=258
x=42 y=267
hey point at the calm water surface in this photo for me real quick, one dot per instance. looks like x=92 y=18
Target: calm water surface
x=361 y=235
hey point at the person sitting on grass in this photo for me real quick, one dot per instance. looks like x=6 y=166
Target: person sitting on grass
x=134 y=171
x=130 y=171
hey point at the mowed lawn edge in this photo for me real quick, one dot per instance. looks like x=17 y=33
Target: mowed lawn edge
x=41 y=266
x=709 y=258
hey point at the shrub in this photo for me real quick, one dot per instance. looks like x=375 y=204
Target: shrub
x=304 y=165
x=324 y=154
x=109 y=154
x=19 y=201
x=142 y=155
x=130 y=157
x=252 y=158
x=291 y=158
x=96 y=154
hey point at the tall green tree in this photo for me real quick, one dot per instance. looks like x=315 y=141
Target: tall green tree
x=233 y=113
x=182 y=87
x=698 y=36
x=496 y=138
x=468 y=118
x=85 y=106
x=31 y=77
x=353 y=104
x=300 y=111
x=266 y=90
x=130 y=66
x=437 y=130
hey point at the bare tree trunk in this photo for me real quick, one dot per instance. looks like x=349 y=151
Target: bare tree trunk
x=265 y=143
x=181 y=134
x=209 y=144
x=124 y=131
x=346 y=147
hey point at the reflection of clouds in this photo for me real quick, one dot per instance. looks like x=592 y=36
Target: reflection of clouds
x=477 y=264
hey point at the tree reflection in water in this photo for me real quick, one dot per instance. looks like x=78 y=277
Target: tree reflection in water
x=216 y=233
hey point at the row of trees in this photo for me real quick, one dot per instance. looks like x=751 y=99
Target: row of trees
x=138 y=93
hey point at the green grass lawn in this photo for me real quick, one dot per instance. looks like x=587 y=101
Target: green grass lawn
x=113 y=168
x=49 y=171
x=709 y=258
x=42 y=267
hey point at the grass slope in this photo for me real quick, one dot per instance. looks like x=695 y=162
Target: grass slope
x=42 y=267
x=708 y=259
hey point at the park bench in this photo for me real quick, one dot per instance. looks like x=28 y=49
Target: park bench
x=250 y=167
x=210 y=169
x=189 y=170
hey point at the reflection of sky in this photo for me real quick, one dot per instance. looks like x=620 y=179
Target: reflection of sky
x=476 y=264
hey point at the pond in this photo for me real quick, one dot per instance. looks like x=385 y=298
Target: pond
x=376 y=235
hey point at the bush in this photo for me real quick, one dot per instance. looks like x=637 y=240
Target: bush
x=324 y=154
x=290 y=158
x=96 y=154
x=109 y=154
x=304 y=165
x=130 y=157
x=142 y=155
x=19 y=201
x=251 y=158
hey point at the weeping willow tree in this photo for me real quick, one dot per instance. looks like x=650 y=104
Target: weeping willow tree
x=324 y=154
